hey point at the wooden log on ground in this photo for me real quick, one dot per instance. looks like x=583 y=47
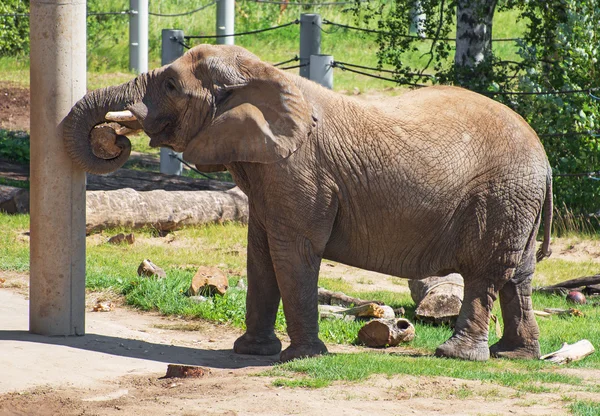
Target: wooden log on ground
x=571 y=284
x=14 y=200
x=369 y=310
x=386 y=332
x=328 y=297
x=438 y=298
x=569 y=353
x=162 y=210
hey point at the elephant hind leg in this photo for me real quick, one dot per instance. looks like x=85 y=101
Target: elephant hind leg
x=521 y=333
x=470 y=338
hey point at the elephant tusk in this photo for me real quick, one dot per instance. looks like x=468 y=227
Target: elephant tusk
x=119 y=116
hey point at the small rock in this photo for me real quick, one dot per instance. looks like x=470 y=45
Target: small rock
x=185 y=371
x=103 y=307
x=147 y=268
x=199 y=299
x=388 y=312
x=208 y=281
x=122 y=238
x=241 y=284
x=356 y=91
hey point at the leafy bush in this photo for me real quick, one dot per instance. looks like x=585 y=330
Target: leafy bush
x=14 y=146
x=557 y=51
x=14 y=30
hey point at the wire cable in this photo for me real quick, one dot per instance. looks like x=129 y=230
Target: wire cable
x=251 y=32
x=344 y=68
x=174 y=156
x=294 y=59
x=185 y=13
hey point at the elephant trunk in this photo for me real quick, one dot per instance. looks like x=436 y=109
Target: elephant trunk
x=91 y=111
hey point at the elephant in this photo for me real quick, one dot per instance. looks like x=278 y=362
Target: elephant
x=447 y=180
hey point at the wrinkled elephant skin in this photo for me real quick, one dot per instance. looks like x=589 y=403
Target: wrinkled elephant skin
x=446 y=181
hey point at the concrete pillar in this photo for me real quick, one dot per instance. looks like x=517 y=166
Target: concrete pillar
x=226 y=21
x=138 y=36
x=58 y=80
x=321 y=70
x=310 y=40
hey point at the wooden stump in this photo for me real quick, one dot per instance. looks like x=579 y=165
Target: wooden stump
x=438 y=298
x=386 y=332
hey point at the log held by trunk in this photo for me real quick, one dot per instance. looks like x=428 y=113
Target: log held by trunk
x=386 y=332
x=165 y=211
x=438 y=298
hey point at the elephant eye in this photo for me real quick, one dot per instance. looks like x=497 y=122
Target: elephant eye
x=170 y=85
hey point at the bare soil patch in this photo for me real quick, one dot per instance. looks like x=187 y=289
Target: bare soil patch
x=14 y=107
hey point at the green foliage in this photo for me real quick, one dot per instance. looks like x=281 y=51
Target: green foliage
x=557 y=51
x=14 y=30
x=14 y=146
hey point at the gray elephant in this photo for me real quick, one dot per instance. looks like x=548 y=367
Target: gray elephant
x=450 y=181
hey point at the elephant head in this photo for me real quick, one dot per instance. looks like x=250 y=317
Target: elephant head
x=217 y=104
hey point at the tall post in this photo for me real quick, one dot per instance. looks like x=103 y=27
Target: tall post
x=321 y=70
x=225 y=21
x=171 y=49
x=417 y=19
x=310 y=40
x=138 y=36
x=57 y=205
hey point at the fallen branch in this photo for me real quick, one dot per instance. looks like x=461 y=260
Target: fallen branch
x=563 y=287
x=369 y=310
x=569 y=353
x=328 y=297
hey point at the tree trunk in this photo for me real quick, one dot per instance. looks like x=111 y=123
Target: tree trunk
x=473 y=40
x=163 y=210
x=438 y=298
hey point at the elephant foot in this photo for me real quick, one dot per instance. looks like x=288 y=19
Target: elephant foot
x=515 y=350
x=248 y=344
x=465 y=350
x=302 y=351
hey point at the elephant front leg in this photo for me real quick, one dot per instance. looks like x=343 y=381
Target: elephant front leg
x=297 y=267
x=262 y=299
x=470 y=338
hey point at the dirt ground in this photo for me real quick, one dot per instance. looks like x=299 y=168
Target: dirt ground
x=118 y=368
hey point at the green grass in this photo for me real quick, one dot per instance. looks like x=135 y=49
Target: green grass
x=585 y=408
x=523 y=375
x=113 y=268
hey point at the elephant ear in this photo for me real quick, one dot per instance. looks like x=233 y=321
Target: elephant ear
x=261 y=116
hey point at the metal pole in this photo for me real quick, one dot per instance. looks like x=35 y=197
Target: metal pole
x=225 y=21
x=171 y=49
x=57 y=247
x=138 y=36
x=321 y=70
x=310 y=40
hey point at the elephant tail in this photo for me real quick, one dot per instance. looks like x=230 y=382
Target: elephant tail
x=544 y=251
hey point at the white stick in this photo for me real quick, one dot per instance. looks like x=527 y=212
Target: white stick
x=568 y=353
